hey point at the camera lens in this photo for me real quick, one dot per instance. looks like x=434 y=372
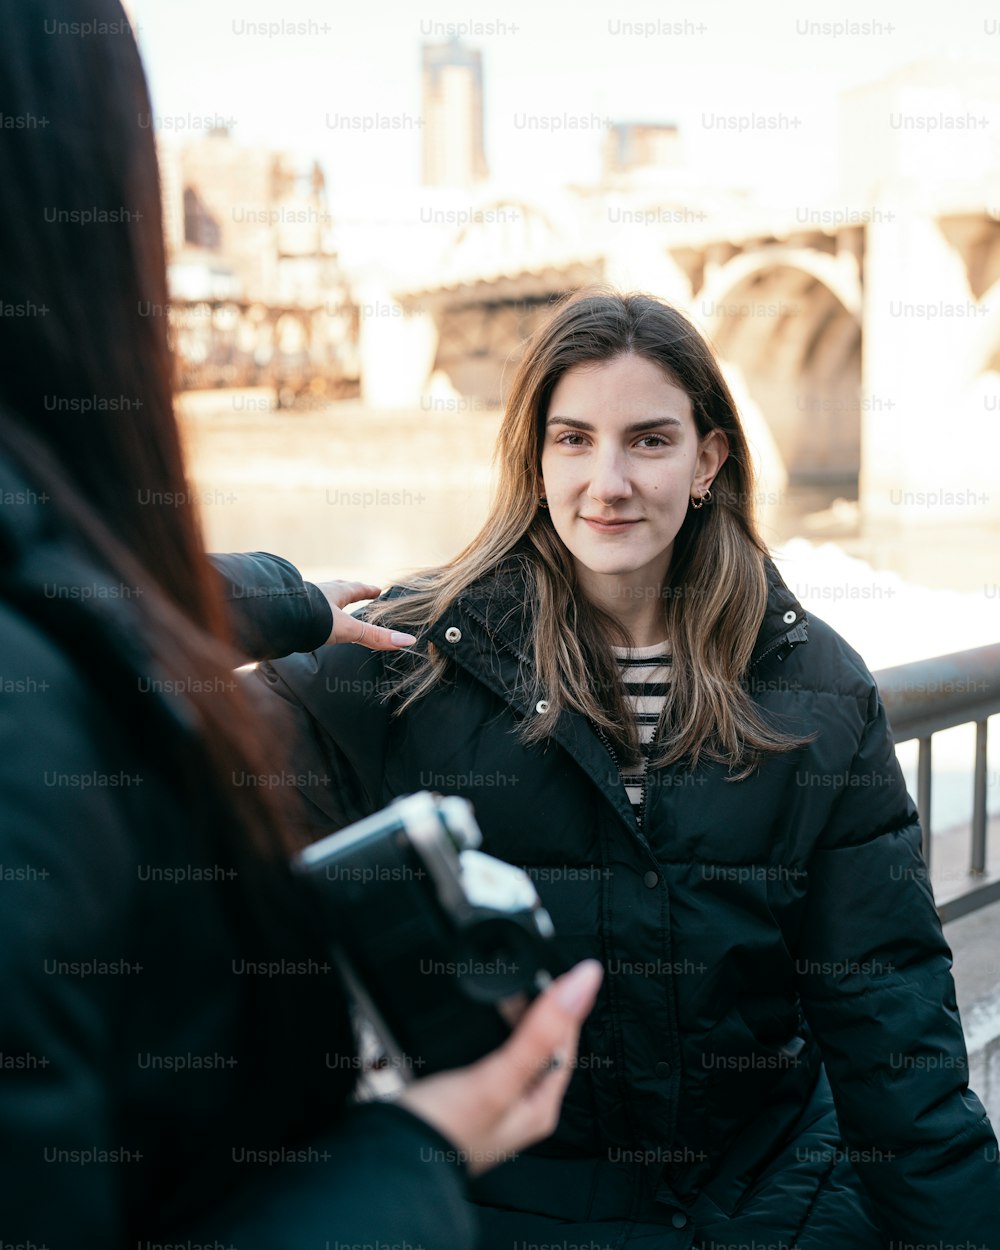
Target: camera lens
x=497 y=958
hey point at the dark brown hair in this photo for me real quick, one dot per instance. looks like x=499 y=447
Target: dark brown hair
x=82 y=262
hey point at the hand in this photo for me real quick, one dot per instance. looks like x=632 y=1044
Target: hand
x=511 y=1098
x=347 y=628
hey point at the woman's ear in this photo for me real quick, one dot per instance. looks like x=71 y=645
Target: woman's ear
x=712 y=455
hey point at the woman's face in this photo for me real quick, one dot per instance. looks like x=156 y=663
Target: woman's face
x=621 y=461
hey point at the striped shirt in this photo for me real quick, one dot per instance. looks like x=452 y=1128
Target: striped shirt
x=645 y=672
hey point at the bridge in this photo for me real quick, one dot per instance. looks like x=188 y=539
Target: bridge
x=863 y=347
x=304 y=353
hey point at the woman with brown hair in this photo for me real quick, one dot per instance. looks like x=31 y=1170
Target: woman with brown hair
x=702 y=782
x=176 y=1059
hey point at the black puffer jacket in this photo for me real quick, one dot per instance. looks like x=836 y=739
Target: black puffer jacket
x=776 y=1056
x=170 y=1073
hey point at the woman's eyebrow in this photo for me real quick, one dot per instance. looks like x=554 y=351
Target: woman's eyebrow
x=637 y=427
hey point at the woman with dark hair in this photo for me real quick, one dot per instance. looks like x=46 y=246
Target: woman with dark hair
x=176 y=1059
x=702 y=781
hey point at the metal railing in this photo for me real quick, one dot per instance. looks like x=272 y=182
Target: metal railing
x=926 y=696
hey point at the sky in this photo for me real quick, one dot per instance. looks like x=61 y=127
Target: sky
x=288 y=75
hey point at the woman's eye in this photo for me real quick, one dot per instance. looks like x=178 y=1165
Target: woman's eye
x=653 y=440
x=570 y=439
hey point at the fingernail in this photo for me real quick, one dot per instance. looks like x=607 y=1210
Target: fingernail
x=402 y=640
x=575 y=991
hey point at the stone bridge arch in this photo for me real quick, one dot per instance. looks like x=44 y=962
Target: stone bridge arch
x=789 y=319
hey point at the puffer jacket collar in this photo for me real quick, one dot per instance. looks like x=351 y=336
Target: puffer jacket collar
x=785 y=623
x=503 y=605
x=488 y=633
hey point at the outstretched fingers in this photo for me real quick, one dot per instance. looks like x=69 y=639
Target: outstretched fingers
x=348 y=628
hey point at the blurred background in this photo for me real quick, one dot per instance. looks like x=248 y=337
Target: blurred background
x=369 y=208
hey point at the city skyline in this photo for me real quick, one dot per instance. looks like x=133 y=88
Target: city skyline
x=351 y=96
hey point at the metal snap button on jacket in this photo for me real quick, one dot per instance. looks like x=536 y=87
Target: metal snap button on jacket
x=542 y=706
x=651 y=878
x=789 y=616
x=453 y=634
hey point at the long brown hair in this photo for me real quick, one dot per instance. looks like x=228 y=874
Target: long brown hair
x=86 y=404
x=716 y=593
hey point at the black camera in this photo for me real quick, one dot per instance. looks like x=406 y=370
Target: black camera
x=436 y=940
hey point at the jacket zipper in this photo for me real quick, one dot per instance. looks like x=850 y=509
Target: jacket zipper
x=645 y=787
x=770 y=650
x=607 y=742
x=614 y=756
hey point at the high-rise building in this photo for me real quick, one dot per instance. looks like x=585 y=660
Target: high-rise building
x=233 y=196
x=641 y=145
x=453 y=115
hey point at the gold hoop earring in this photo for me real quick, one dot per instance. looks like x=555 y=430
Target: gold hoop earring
x=702 y=500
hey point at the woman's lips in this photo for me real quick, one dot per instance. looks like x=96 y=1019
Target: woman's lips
x=609 y=527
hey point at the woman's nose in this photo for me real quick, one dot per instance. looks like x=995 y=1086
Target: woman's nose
x=609 y=479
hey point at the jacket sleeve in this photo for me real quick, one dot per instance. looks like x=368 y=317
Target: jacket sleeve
x=69 y=906
x=388 y=1180
x=272 y=611
x=329 y=708
x=875 y=982
x=67 y=864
